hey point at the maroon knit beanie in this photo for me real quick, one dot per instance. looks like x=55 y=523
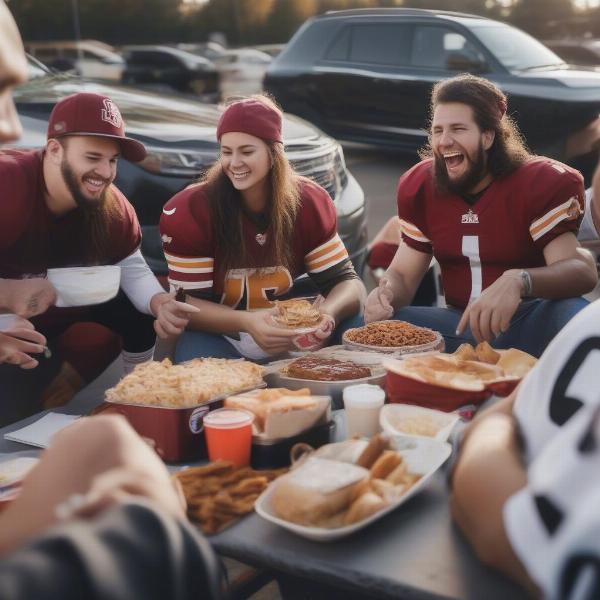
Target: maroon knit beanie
x=253 y=117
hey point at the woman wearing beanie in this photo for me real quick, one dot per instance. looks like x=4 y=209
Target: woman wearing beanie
x=237 y=240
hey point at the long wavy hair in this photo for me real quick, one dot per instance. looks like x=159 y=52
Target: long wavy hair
x=281 y=210
x=508 y=150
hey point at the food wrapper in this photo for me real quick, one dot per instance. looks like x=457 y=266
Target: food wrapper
x=279 y=424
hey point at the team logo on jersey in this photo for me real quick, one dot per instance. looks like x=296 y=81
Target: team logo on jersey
x=166 y=239
x=111 y=113
x=573 y=210
x=261 y=238
x=470 y=217
x=169 y=212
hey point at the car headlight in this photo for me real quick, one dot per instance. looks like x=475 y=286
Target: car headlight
x=163 y=161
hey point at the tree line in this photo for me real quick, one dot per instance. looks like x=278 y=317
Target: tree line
x=246 y=22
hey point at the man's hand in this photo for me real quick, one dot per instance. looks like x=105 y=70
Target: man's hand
x=490 y=314
x=27 y=297
x=379 y=302
x=272 y=339
x=17 y=343
x=172 y=316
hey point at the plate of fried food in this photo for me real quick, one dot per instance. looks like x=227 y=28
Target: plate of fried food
x=448 y=381
x=299 y=314
x=393 y=336
x=218 y=494
x=342 y=488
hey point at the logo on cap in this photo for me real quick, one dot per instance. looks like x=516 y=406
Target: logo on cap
x=111 y=113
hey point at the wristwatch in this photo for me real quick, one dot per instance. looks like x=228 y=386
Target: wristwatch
x=526 y=284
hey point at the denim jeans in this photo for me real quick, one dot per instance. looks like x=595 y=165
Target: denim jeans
x=531 y=329
x=199 y=344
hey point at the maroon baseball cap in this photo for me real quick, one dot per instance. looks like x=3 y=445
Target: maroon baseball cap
x=93 y=114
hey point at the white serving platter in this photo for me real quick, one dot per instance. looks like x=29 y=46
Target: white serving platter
x=424 y=456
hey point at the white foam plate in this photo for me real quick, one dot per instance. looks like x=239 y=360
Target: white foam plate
x=85 y=286
x=423 y=455
x=391 y=416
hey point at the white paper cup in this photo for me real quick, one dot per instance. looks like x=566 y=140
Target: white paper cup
x=363 y=403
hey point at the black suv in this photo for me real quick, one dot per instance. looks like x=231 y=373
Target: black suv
x=179 y=134
x=366 y=75
x=172 y=68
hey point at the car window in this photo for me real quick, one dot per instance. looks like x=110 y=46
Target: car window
x=514 y=48
x=378 y=44
x=433 y=45
x=578 y=56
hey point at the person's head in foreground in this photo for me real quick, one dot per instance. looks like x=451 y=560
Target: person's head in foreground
x=471 y=139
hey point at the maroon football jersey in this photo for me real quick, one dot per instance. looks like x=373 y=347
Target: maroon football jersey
x=193 y=256
x=33 y=240
x=507 y=228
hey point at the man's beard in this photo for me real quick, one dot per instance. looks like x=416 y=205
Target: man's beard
x=475 y=172
x=84 y=203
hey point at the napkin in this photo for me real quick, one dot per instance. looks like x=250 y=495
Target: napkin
x=40 y=432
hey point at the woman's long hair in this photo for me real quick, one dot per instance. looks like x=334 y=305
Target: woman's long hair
x=508 y=150
x=281 y=210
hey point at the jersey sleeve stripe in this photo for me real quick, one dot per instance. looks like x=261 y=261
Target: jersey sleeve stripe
x=413 y=232
x=174 y=258
x=321 y=265
x=188 y=285
x=330 y=245
x=552 y=218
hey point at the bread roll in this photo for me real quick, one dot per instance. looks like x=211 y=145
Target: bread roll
x=385 y=464
x=364 y=506
x=315 y=491
x=377 y=444
x=398 y=475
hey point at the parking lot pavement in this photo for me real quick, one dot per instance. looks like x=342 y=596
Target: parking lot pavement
x=377 y=171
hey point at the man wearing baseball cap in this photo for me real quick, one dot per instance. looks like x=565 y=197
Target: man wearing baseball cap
x=60 y=208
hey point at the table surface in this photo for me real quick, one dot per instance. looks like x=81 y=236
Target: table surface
x=414 y=552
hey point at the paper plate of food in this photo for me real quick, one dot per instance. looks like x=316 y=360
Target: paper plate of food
x=448 y=381
x=411 y=420
x=340 y=489
x=393 y=337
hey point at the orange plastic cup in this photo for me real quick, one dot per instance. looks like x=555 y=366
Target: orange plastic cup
x=229 y=435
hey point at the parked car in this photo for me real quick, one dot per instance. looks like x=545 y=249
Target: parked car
x=577 y=52
x=241 y=71
x=179 y=134
x=163 y=66
x=366 y=75
x=211 y=50
x=271 y=49
x=88 y=58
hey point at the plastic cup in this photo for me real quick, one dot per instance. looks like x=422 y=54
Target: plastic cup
x=362 y=404
x=229 y=435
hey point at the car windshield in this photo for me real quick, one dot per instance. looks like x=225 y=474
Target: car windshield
x=515 y=49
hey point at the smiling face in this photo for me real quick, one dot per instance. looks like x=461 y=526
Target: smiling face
x=246 y=160
x=88 y=167
x=459 y=149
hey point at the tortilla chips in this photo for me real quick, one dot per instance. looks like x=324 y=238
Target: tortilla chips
x=296 y=313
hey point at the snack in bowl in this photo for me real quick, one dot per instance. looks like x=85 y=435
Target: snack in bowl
x=296 y=313
x=218 y=494
x=398 y=336
x=406 y=419
x=318 y=368
x=184 y=385
x=330 y=494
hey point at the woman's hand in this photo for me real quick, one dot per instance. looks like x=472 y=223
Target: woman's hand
x=172 y=316
x=316 y=339
x=271 y=338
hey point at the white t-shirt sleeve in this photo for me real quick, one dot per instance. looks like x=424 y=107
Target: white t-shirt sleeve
x=587 y=229
x=553 y=523
x=138 y=282
x=564 y=380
